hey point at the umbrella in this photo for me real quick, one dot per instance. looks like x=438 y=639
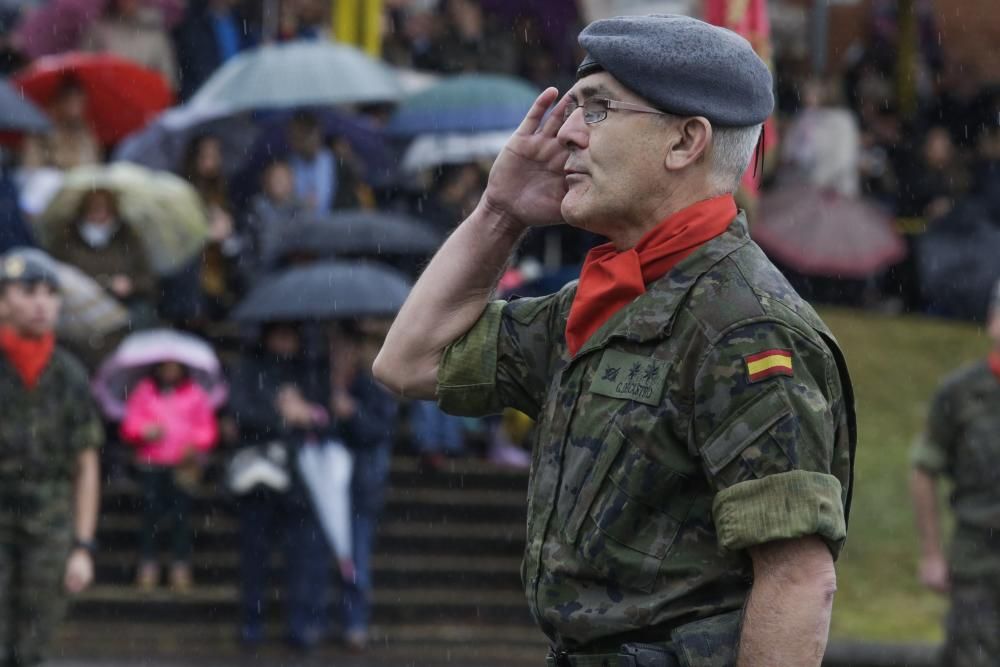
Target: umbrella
x=297 y=74
x=131 y=361
x=163 y=209
x=357 y=233
x=957 y=262
x=59 y=25
x=822 y=233
x=327 y=290
x=326 y=471
x=87 y=312
x=18 y=114
x=433 y=150
x=121 y=96
x=249 y=140
x=465 y=103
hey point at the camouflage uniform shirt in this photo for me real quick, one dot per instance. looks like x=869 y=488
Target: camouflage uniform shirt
x=661 y=452
x=962 y=442
x=42 y=431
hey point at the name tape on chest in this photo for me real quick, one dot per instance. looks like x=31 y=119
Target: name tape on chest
x=630 y=376
x=767 y=364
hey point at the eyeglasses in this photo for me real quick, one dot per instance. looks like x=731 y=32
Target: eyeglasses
x=595 y=109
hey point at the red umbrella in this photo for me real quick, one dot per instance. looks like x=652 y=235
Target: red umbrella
x=823 y=233
x=121 y=95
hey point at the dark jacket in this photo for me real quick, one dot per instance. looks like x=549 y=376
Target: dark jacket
x=123 y=255
x=254 y=388
x=374 y=423
x=197 y=48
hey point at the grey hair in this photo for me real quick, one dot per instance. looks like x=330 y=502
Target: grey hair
x=732 y=150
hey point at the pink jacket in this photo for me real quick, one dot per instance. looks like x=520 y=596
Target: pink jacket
x=185 y=415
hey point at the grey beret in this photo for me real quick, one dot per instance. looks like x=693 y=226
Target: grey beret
x=683 y=66
x=28 y=266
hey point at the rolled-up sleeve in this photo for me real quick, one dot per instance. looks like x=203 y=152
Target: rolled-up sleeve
x=503 y=361
x=768 y=420
x=930 y=451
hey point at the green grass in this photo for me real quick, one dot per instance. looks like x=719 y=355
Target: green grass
x=895 y=363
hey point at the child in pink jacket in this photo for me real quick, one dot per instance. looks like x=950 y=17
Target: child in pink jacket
x=170 y=421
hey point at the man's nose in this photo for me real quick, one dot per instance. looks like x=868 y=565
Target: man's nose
x=574 y=133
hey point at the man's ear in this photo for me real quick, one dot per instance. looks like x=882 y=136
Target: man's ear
x=690 y=142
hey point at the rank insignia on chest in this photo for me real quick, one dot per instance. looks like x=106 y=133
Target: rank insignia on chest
x=767 y=364
x=630 y=376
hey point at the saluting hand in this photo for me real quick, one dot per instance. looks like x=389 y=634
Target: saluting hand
x=527 y=183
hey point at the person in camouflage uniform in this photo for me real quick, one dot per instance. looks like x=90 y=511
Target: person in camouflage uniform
x=962 y=442
x=692 y=463
x=49 y=435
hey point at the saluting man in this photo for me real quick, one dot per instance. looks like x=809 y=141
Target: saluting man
x=691 y=475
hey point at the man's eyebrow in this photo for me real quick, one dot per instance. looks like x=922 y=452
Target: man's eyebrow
x=592 y=91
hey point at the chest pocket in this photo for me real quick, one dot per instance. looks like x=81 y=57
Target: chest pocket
x=979 y=449
x=627 y=515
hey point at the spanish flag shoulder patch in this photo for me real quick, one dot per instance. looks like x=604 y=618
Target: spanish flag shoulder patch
x=767 y=364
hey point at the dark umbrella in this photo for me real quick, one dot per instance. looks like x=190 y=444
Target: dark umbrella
x=326 y=291
x=957 y=262
x=18 y=114
x=365 y=233
x=822 y=233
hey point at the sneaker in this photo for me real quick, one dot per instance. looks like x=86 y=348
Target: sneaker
x=356 y=640
x=147 y=577
x=181 y=580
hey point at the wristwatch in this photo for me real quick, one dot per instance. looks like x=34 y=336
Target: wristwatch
x=90 y=546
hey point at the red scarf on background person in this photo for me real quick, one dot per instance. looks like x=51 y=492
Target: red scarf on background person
x=994 y=361
x=28 y=356
x=610 y=280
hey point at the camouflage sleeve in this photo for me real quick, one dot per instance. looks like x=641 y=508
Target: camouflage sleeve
x=502 y=361
x=930 y=449
x=86 y=430
x=767 y=408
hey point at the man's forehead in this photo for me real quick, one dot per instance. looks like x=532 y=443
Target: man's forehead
x=598 y=84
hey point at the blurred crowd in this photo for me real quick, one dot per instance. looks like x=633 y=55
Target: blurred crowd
x=171 y=218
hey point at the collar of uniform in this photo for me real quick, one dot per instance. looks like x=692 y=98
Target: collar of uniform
x=652 y=314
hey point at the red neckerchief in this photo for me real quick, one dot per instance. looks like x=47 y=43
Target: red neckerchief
x=28 y=356
x=610 y=280
x=994 y=361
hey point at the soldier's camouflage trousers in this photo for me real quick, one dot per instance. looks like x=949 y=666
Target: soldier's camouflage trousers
x=32 y=601
x=973 y=625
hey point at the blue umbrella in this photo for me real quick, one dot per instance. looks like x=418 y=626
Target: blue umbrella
x=465 y=103
x=324 y=291
x=18 y=114
x=250 y=140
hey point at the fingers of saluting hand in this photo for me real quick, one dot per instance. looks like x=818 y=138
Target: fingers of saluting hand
x=535 y=114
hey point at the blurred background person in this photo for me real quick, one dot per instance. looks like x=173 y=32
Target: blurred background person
x=71 y=141
x=277 y=400
x=366 y=415
x=170 y=422
x=135 y=32
x=49 y=471
x=104 y=246
x=961 y=443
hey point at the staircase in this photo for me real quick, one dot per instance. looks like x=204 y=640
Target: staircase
x=446 y=574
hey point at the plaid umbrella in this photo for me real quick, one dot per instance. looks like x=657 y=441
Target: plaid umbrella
x=88 y=311
x=163 y=209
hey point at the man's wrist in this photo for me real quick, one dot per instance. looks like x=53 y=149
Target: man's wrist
x=500 y=220
x=89 y=546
